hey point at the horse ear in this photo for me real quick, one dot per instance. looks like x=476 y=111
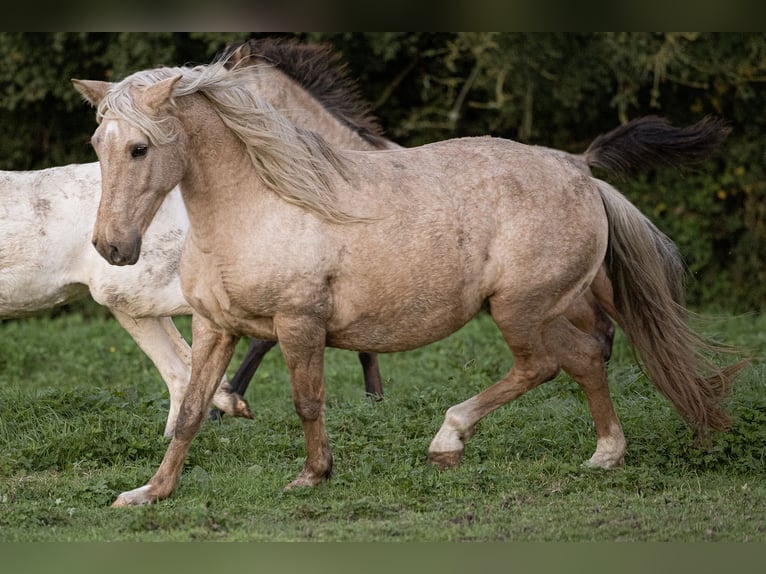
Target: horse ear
x=92 y=90
x=157 y=94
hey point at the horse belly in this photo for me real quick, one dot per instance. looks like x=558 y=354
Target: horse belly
x=404 y=307
x=39 y=260
x=24 y=292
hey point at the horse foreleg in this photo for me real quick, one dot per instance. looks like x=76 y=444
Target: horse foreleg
x=302 y=343
x=580 y=355
x=211 y=353
x=372 y=382
x=154 y=339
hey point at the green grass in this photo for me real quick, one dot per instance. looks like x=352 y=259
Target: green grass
x=82 y=412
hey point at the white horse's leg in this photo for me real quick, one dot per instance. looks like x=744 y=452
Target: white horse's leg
x=159 y=338
x=211 y=352
x=225 y=398
x=153 y=339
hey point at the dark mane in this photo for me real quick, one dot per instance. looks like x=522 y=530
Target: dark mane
x=318 y=70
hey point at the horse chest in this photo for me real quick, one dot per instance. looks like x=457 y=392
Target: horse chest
x=243 y=294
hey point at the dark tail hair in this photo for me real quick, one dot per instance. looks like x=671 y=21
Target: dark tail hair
x=650 y=142
x=647 y=276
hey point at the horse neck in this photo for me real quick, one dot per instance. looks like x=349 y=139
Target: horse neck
x=220 y=173
x=303 y=109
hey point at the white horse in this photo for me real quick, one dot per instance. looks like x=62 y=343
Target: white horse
x=48 y=260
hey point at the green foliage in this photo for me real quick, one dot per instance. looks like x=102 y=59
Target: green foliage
x=554 y=89
x=45 y=120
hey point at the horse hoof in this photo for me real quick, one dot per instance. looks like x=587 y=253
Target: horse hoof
x=120 y=502
x=605 y=463
x=303 y=481
x=445 y=460
x=233 y=405
x=136 y=497
x=241 y=408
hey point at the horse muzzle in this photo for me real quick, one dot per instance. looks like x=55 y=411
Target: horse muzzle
x=124 y=252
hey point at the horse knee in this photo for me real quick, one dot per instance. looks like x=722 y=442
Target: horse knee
x=309 y=409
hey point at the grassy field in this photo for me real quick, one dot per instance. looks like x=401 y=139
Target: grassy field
x=82 y=411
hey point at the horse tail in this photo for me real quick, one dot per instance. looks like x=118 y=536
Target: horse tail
x=650 y=142
x=647 y=276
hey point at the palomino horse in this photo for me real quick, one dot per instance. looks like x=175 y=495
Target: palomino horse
x=293 y=240
x=639 y=145
x=48 y=215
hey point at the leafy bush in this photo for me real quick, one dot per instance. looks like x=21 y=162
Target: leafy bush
x=553 y=89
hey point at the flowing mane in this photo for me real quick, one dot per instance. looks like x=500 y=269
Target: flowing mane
x=318 y=70
x=296 y=164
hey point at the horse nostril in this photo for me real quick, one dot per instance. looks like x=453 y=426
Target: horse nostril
x=114 y=254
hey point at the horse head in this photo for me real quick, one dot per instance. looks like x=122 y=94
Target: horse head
x=142 y=158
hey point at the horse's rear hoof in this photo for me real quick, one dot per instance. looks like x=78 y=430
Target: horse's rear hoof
x=135 y=497
x=375 y=397
x=445 y=460
x=231 y=404
x=241 y=408
x=604 y=463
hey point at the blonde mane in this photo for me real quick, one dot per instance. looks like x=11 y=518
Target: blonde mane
x=296 y=164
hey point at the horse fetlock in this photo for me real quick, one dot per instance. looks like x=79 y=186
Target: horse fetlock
x=610 y=449
x=609 y=454
x=604 y=462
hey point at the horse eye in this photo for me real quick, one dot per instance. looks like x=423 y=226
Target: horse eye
x=138 y=151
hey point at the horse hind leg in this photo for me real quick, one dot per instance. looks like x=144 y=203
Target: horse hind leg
x=587 y=314
x=258 y=348
x=236 y=388
x=533 y=365
x=373 y=386
x=538 y=358
x=581 y=357
x=226 y=400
